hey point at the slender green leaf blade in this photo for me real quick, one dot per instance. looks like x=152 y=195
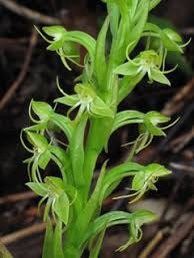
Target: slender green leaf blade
x=48 y=242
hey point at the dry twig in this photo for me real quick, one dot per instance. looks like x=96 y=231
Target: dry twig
x=17 y=197
x=179 y=143
x=175 y=104
x=172 y=241
x=188 y=31
x=182 y=167
x=153 y=243
x=28 y=13
x=12 y=89
x=20 y=234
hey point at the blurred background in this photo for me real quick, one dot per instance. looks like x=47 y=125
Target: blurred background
x=28 y=71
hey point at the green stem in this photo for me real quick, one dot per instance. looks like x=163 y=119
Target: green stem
x=71 y=251
x=97 y=139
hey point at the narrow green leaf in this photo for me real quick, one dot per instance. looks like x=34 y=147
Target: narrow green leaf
x=141 y=18
x=100 y=54
x=122 y=7
x=97 y=244
x=132 y=5
x=48 y=242
x=57 y=241
x=113 y=12
x=76 y=147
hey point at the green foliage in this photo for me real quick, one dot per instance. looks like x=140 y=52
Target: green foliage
x=72 y=201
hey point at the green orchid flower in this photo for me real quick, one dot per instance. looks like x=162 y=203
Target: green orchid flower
x=170 y=39
x=145 y=180
x=147 y=62
x=59 y=43
x=57 y=33
x=150 y=128
x=138 y=218
x=53 y=190
x=87 y=100
x=152 y=121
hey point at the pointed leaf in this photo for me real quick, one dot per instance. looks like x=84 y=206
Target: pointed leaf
x=77 y=151
x=57 y=241
x=100 y=55
x=114 y=15
x=97 y=244
x=48 y=242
